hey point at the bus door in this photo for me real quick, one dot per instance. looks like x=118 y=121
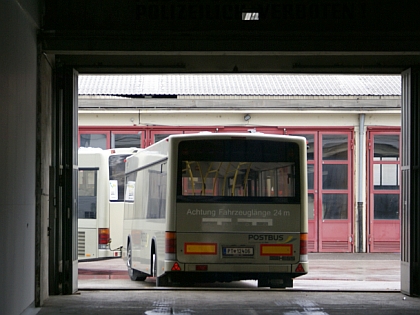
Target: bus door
x=384 y=191
x=335 y=192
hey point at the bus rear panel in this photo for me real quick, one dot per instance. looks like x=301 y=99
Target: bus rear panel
x=238 y=211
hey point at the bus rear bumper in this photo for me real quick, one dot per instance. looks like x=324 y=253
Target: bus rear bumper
x=273 y=280
x=302 y=267
x=274 y=276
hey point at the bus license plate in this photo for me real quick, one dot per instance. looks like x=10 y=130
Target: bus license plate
x=238 y=251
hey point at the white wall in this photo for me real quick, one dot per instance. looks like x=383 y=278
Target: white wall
x=236 y=118
x=18 y=78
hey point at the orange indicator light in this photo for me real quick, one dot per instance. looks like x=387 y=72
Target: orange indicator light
x=103 y=236
x=200 y=248
x=303 y=243
x=170 y=242
x=276 y=250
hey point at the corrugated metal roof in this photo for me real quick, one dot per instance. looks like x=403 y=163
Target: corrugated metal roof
x=240 y=85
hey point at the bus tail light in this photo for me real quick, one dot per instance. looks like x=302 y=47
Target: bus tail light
x=103 y=238
x=304 y=243
x=170 y=242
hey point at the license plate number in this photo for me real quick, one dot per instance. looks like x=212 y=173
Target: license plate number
x=238 y=251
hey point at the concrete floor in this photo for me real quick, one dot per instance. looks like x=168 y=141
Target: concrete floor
x=332 y=272
x=336 y=284
x=231 y=302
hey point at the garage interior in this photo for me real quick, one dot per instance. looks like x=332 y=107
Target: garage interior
x=48 y=43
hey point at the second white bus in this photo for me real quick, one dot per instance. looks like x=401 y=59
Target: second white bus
x=218 y=208
x=101 y=202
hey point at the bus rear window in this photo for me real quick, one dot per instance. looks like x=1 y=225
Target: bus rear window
x=238 y=179
x=250 y=168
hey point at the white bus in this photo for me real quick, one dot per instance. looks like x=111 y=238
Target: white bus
x=101 y=202
x=218 y=208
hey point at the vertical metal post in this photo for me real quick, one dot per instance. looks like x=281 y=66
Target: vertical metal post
x=410 y=179
x=63 y=220
x=69 y=182
x=361 y=171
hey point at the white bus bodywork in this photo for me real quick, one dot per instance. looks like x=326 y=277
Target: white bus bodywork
x=182 y=238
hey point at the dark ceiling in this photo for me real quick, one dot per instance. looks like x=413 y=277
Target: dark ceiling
x=293 y=36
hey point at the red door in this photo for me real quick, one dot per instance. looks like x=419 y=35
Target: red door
x=127 y=139
x=157 y=135
x=312 y=152
x=94 y=138
x=335 y=192
x=329 y=190
x=384 y=191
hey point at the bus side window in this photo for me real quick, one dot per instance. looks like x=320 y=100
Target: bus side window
x=157 y=195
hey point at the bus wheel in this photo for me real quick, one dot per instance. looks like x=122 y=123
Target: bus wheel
x=162 y=281
x=134 y=274
x=283 y=283
x=263 y=282
x=276 y=283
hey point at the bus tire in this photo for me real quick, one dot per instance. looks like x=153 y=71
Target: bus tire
x=263 y=282
x=134 y=274
x=280 y=283
x=162 y=281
